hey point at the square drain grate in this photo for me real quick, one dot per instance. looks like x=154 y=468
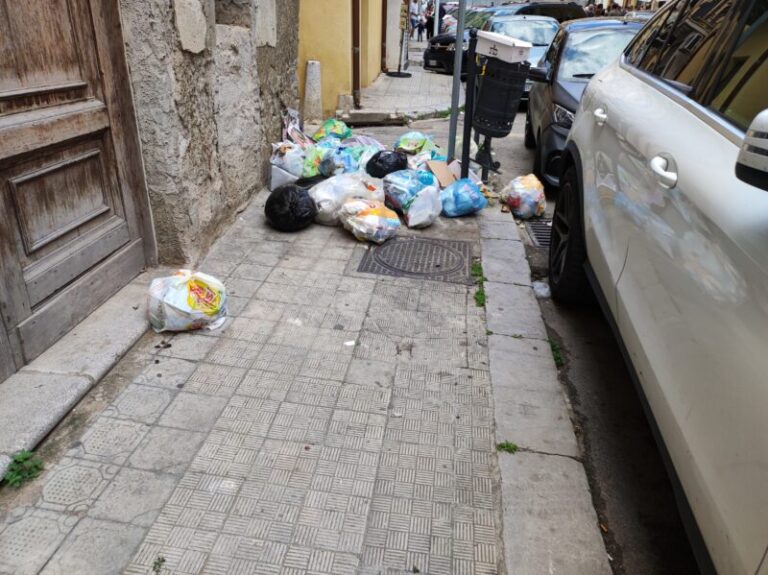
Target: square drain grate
x=421 y=258
x=540 y=232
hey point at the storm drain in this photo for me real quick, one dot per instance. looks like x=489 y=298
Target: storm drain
x=437 y=260
x=540 y=232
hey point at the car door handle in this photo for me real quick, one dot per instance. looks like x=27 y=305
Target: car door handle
x=659 y=165
x=600 y=116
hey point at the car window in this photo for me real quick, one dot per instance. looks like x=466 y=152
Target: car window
x=551 y=57
x=687 y=49
x=741 y=92
x=644 y=53
x=537 y=32
x=586 y=52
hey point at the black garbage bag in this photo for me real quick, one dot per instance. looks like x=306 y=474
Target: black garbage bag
x=290 y=208
x=309 y=183
x=384 y=163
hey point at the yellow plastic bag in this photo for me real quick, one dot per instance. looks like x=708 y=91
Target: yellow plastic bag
x=186 y=301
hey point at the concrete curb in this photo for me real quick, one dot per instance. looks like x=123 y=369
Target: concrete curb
x=35 y=399
x=549 y=522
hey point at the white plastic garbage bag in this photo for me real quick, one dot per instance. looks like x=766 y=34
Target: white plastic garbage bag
x=423 y=208
x=187 y=300
x=329 y=195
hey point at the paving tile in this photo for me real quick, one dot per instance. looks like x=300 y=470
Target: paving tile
x=109 y=440
x=140 y=403
x=167 y=449
x=96 y=547
x=557 y=523
x=74 y=484
x=168 y=372
x=192 y=411
x=30 y=537
x=513 y=310
x=135 y=496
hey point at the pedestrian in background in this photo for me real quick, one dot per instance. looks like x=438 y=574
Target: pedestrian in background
x=430 y=20
x=414 y=15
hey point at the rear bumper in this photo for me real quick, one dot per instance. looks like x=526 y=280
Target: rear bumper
x=441 y=60
x=552 y=146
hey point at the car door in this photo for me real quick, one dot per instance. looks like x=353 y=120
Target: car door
x=692 y=298
x=540 y=100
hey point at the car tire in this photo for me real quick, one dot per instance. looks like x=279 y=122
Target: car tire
x=567 y=249
x=530 y=140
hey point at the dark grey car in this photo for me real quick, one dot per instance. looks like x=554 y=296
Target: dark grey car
x=580 y=49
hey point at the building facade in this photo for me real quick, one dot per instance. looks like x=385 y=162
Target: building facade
x=130 y=134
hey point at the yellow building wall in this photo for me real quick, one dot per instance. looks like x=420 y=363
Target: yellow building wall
x=370 y=40
x=325 y=34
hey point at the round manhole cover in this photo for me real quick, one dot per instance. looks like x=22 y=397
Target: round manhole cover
x=419 y=257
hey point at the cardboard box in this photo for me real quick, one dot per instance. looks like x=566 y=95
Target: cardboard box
x=442 y=172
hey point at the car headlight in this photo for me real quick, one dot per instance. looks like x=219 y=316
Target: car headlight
x=451 y=47
x=563 y=117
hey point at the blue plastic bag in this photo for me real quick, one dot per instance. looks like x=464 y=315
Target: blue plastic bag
x=461 y=198
x=402 y=186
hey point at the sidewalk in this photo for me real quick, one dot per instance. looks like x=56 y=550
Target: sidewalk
x=423 y=95
x=340 y=422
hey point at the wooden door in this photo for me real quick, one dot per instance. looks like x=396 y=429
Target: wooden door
x=74 y=215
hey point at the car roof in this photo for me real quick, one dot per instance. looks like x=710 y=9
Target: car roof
x=513 y=17
x=599 y=22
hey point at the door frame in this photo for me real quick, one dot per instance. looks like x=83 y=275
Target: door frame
x=118 y=92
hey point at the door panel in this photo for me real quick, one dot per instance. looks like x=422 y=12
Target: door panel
x=73 y=204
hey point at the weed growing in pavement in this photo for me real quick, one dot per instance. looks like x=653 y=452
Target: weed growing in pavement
x=557 y=353
x=477 y=273
x=488 y=332
x=24 y=467
x=157 y=566
x=507 y=447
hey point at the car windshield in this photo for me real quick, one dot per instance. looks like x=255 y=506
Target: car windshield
x=587 y=52
x=537 y=32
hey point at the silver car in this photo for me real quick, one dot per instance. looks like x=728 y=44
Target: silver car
x=663 y=213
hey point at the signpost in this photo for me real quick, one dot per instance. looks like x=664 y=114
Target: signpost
x=403 y=43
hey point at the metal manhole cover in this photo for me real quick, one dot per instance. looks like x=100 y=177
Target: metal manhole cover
x=438 y=260
x=540 y=232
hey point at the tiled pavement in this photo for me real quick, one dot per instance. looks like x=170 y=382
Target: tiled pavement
x=338 y=423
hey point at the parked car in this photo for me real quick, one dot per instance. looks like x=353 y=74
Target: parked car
x=663 y=211
x=538 y=30
x=580 y=50
x=439 y=55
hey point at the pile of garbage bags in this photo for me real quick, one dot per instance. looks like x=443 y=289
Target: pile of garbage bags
x=335 y=177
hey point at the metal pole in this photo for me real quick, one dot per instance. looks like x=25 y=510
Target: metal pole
x=469 y=108
x=457 y=58
x=436 y=16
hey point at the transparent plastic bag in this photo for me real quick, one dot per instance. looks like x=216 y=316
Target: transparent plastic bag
x=461 y=198
x=185 y=301
x=415 y=193
x=369 y=220
x=331 y=194
x=334 y=128
x=423 y=208
x=289 y=157
x=414 y=143
x=525 y=197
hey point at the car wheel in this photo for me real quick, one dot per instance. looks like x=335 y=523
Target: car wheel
x=567 y=249
x=537 y=159
x=530 y=140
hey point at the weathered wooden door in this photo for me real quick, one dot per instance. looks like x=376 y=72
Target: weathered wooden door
x=74 y=216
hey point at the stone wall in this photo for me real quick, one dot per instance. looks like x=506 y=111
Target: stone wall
x=208 y=85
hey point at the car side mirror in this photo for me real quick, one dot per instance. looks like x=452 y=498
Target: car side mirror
x=538 y=74
x=752 y=163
